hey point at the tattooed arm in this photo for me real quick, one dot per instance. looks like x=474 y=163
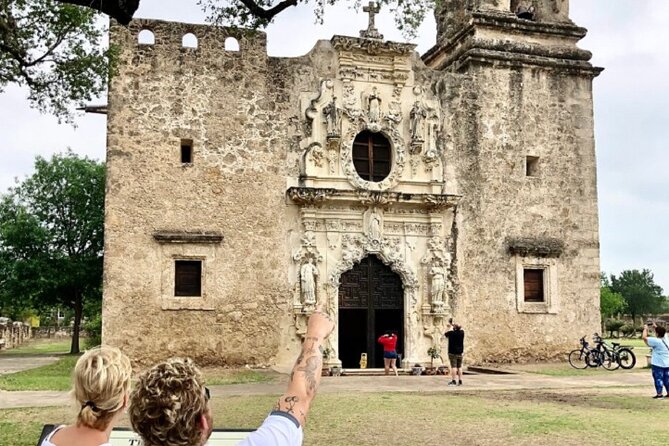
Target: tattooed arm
x=306 y=374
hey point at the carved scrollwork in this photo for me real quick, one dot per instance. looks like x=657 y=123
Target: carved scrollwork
x=309 y=195
x=438 y=202
x=370 y=46
x=355 y=247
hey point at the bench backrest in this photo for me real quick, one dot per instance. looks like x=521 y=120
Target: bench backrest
x=125 y=437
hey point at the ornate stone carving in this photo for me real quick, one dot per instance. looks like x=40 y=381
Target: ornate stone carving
x=437 y=264
x=371 y=46
x=309 y=195
x=437 y=202
x=311 y=112
x=371 y=32
x=417 y=121
x=308 y=249
x=374 y=107
x=374 y=227
x=332 y=119
x=308 y=279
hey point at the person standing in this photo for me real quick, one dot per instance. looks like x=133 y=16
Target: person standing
x=659 y=357
x=389 y=342
x=456 y=348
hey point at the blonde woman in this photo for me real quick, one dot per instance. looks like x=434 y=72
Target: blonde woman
x=101 y=389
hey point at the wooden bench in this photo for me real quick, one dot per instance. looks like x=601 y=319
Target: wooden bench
x=125 y=437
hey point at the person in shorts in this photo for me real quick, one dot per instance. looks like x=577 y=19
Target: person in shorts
x=456 y=348
x=389 y=342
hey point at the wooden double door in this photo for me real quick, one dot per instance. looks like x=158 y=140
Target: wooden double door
x=371 y=301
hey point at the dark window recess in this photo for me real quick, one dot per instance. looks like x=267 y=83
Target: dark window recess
x=186 y=151
x=188 y=278
x=534 y=285
x=371 y=156
x=532 y=166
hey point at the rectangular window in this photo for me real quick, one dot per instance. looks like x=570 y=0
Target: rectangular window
x=534 y=285
x=188 y=278
x=186 y=151
x=532 y=166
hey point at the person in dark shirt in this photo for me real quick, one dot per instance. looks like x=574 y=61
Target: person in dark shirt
x=456 y=348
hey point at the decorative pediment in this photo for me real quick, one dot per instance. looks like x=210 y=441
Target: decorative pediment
x=430 y=202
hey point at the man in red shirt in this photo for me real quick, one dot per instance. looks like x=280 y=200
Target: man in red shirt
x=389 y=342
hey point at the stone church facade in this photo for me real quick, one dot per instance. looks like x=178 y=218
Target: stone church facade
x=398 y=190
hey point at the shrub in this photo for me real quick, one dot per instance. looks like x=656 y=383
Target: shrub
x=614 y=325
x=94 y=330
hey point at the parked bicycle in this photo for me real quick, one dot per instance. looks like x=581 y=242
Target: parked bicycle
x=614 y=355
x=584 y=357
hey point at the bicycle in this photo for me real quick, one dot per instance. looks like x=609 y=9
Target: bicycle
x=622 y=356
x=584 y=357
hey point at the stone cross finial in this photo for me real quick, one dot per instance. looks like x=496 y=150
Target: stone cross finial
x=371 y=32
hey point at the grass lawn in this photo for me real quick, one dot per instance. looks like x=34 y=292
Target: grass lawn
x=56 y=376
x=40 y=347
x=605 y=418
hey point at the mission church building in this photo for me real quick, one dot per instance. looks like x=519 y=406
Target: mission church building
x=399 y=189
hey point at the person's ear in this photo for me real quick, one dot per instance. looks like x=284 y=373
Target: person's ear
x=126 y=399
x=204 y=426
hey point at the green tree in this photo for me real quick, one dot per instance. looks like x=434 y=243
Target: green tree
x=56 y=51
x=610 y=303
x=409 y=14
x=642 y=296
x=51 y=236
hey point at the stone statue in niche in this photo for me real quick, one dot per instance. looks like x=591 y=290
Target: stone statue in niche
x=332 y=119
x=308 y=275
x=374 y=226
x=417 y=115
x=437 y=288
x=374 y=104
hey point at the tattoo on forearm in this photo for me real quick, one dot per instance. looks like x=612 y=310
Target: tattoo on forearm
x=310 y=369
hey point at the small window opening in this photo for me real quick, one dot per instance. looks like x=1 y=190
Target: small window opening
x=188 y=278
x=189 y=41
x=146 y=37
x=534 y=285
x=523 y=9
x=231 y=44
x=532 y=166
x=186 y=151
x=372 y=156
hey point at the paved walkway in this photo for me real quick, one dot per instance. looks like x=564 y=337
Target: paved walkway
x=637 y=383
x=13 y=364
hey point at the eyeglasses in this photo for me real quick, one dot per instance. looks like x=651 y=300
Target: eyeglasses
x=207 y=394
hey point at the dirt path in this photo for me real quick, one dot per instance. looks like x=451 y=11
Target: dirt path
x=637 y=383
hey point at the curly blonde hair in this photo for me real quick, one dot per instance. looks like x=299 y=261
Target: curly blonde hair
x=101 y=383
x=167 y=402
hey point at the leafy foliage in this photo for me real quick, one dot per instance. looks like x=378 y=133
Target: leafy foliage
x=613 y=325
x=51 y=236
x=642 y=296
x=610 y=303
x=56 y=51
x=409 y=14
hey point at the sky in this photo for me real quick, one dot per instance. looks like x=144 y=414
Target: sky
x=628 y=38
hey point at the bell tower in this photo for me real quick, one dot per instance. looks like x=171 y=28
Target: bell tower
x=521 y=149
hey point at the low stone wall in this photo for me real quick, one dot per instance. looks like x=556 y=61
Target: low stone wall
x=13 y=334
x=53 y=332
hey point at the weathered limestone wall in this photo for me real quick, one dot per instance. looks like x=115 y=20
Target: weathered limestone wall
x=164 y=93
x=504 y=115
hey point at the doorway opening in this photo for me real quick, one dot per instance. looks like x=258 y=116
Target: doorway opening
x=371 y=302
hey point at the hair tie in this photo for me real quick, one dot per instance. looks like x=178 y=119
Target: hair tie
x=92 y=405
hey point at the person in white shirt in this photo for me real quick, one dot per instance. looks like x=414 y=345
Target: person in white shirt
x=659 y=357
x=101 y=389
x=169 y=406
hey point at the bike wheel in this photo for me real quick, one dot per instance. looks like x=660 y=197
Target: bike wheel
x=610 y=361
x=626 y=358
x=577 y=359
x=594 y=358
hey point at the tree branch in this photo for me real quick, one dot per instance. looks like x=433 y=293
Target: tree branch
x=121 y=10
x=267 y=14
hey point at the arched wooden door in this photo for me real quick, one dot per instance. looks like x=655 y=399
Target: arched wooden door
x=371 y=301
